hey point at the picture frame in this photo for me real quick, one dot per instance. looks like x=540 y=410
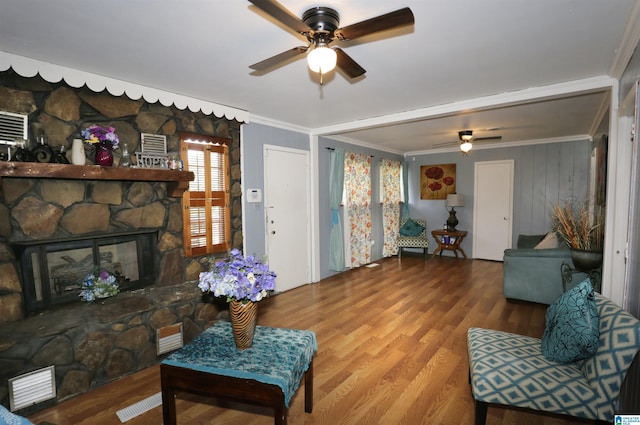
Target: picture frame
x=437 y=181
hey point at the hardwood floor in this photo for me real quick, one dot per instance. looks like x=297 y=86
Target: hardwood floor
x=392 y=350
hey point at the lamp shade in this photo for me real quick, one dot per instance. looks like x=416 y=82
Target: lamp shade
x=322 y=59
x=455 y=200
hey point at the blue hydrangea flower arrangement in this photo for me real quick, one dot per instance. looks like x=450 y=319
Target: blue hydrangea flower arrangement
x=238 y=278
x=99 y=284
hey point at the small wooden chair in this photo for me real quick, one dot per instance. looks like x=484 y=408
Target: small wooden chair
x=419 y=241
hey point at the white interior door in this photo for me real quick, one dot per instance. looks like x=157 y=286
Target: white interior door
x=492 y=209
x=287 y=204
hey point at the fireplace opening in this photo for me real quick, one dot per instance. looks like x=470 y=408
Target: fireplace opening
x=52 y=272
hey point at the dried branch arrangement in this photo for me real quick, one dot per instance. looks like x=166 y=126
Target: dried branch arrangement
x=578 y=226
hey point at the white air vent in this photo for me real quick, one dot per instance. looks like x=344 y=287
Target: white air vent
x=31 y=388
x=139 y=408
x=154 y=144
x=154 y=151
x=12 y=126
x=169 y=338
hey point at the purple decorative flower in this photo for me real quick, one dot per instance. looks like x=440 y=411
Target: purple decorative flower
x=99 y=284
x=238 y=277
x=98 y=134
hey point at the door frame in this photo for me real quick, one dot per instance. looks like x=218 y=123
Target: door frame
x=265 y=149
x=511 y=164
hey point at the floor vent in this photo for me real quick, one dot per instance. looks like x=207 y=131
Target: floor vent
x=31 y=388
x=139 y=408
x=169 y=338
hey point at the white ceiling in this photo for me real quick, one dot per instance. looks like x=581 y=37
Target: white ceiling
x=526 y=70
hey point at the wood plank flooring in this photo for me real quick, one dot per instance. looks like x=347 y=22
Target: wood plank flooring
x=392 y=350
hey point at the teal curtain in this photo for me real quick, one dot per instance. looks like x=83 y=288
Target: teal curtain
x=405 y=189
x=336 y=182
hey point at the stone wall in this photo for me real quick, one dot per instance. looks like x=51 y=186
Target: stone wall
x=34 y=209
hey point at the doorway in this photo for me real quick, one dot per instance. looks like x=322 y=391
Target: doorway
x=287 y=211
x=492 y=209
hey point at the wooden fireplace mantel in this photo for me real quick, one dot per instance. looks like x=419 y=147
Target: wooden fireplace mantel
x=177 y=181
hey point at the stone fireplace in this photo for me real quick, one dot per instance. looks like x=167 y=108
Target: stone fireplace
x=93 y=343
x=59 y=230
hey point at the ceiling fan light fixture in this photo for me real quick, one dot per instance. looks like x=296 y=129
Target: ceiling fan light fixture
x=466 y=146
x=465 y=135
x=322 y=59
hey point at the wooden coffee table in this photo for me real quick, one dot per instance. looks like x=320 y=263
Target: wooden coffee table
x=267 y=374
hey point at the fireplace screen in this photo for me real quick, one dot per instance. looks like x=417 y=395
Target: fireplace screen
x=52 y=273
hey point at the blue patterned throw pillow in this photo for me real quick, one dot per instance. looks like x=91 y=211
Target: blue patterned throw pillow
x=8 y=418
x=572 y=326
x=411 y=228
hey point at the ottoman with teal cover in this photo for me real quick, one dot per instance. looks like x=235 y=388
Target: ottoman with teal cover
x=511 y=370
x=266 y=374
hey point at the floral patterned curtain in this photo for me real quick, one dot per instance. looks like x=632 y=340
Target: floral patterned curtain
x=390 y=177
x=357 y=184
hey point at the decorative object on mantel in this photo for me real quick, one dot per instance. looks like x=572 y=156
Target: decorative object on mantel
x=22 y=150
x=453 y=200
x=583 y=230
x=60 y=157
x=104 y=155
x=154 y=151
x=22 y=153
x=244 y=281
x=77 y=152
x=125 y=159
x=105 y=140
x=99 y=284
x=43 y=152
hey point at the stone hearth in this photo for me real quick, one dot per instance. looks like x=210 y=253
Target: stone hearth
x=91 y=344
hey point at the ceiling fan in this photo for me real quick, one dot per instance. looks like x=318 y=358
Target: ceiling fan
x=319 y=25
x=466 y=139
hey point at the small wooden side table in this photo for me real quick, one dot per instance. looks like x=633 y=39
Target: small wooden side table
x=449 y=240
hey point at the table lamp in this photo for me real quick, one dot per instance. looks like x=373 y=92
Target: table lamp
x=453 y=200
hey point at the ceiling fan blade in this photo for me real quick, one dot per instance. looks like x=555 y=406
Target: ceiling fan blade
x=480 y=139
x=348 y=65
x=398 y=18
x=282 y=14
x=445 y=144
x=279 y=58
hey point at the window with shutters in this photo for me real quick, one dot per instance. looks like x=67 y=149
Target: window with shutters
x=206 y=206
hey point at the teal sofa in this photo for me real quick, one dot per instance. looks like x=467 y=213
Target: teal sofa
x=534 y=275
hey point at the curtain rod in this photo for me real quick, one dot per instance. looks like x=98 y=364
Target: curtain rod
x=333 y=149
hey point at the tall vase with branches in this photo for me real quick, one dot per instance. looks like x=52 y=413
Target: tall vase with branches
x=582 y=227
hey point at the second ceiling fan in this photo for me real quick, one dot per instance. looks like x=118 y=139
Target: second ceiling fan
x=466 y=139
x=320 y=26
